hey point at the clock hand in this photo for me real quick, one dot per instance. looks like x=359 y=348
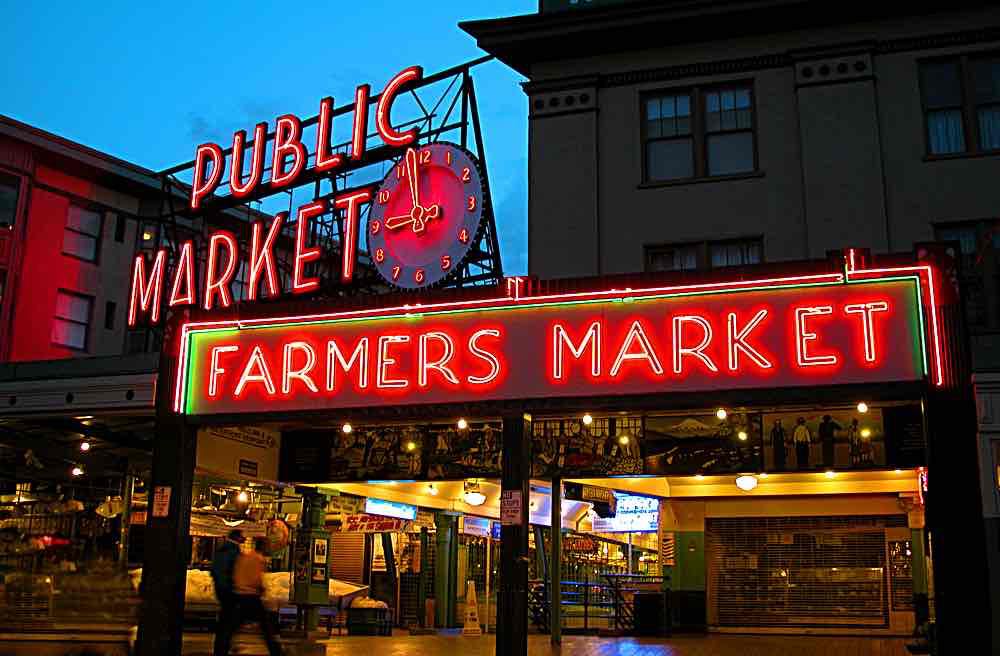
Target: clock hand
x=412 y=176
x=394 y=222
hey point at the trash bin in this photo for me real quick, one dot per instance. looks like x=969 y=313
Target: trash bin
x=651 y=614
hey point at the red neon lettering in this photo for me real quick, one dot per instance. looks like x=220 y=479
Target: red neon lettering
x=592 y=338
x=441 y=364
x=303 y=255
x=738 y=342
x=262 y=257
x=351 y=204
x=359 y=134
x=359 y=356
x=214 y=282
x=263 y=375
x=385 y=361
x=216 y=369
x=202 y=186
x=184 y=274
x=326 y=161
x=866 y=310
x=638 y=335
x=804 y=336
x=145 y=296
x=287 y=141
x=484 y=355
x=236 y=183
x=288 y=374
x=697 y=351
x=389 y=134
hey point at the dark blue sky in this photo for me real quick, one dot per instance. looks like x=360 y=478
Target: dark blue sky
x=148 y=81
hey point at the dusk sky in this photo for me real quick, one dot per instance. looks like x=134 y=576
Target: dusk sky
x=147 y=82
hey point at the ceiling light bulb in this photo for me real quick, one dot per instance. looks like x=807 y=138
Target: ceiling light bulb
x=431 y=490
x=77 y=471
x=587 y=420
x=742 y=435
x=623 y=440
x=763 y=475
x=898 y=471
x=462 y=424
x=862 y=407
x=866 y=432
x=411 y=446
x=472 y=494
x=830 y=473
x=721 y=413
x=85 y=446
x=243 y=497
x=746 y=482
x=698 y=477
x=347 y=428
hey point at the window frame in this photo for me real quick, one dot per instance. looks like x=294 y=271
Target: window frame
x=86 y=326
x=703 y=247
x=22 y=189
x=699 y=134
x=98 y=238
x=969 y=108
x=987 y=276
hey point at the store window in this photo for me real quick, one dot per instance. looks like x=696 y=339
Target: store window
x=961 y=103
x=979 y=266
x=82 y=235
x=704 y=255
x=10 y=186
x=700 y=133
x=71 y=323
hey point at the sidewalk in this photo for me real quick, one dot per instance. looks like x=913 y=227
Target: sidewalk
x=713 y=645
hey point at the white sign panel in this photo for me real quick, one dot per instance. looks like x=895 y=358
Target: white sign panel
x=244 y=452
x=510 y=507
x=636 y=514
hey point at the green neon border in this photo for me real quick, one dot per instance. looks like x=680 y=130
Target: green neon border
x=190 y=334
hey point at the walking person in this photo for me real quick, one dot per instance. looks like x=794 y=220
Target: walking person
x=223 y=565
x=802 y=438
x=248 y=584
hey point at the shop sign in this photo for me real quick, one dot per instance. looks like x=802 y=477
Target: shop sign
x=636 y=514
x=478 y=526
x=374 y=524
x=390 y=509
x=579 y=544
x=510 y=508
x=602 y=498
x=635 y=342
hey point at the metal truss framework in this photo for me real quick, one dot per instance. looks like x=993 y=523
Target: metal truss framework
x=443 y=107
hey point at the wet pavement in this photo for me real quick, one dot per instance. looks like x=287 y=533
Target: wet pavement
x=538 y=645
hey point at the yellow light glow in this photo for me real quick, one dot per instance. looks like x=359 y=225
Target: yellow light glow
x=746 y=482
x=742 y=435
x=721 y=413
x=243 y=497
x=866 y=432
x=830 y=473
x=587 y=420
x=862 y=407
x=410 y=446
x=698 y=477
x=347 y=428
x=623 y=440
x=431 y=490
x=462 y=424
x=85 y=446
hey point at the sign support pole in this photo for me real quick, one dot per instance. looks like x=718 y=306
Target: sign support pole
x=555 y=572
x=512 y=597
x=168 y=540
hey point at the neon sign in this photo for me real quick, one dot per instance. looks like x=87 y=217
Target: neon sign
x=784 y=332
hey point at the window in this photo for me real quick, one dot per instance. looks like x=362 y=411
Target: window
x=704 y=132
x=961 y=99
x=120 y=222
x=109 y=315
x=72 y=320
x=83 y=232
x=704 y=255
x=979 y=262
x=10 y=185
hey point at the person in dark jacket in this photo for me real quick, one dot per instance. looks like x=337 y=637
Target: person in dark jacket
x=223 y=565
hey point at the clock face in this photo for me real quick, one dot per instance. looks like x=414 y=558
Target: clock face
x=425 y=215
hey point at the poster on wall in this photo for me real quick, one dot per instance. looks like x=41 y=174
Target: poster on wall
x=247 y=452
x=820 y=439
x=608 y=446
x=470 y=452
x=702 y=444
x=377 y=452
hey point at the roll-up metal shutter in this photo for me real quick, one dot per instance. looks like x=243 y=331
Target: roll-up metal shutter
x=798 y=571
x=347 y=557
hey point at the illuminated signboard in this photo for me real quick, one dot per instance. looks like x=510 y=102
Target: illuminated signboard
x=390 y=509
x=636 y=514
x=788 y=332
x=479 y=526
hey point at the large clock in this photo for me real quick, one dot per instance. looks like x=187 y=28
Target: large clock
x=425 y=216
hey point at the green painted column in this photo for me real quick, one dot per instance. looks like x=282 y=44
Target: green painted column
x=445 y=569
x=688 y=580
x=555 y=572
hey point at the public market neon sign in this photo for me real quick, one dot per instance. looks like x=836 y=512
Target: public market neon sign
x=150 y=289
x=839 y=328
